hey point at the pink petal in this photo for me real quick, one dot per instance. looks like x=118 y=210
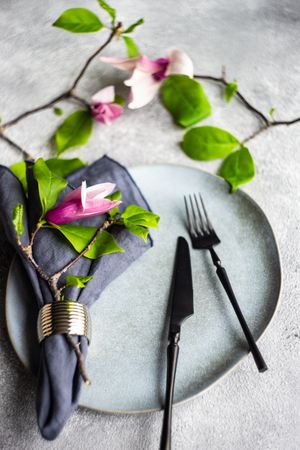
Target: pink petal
x=68 y=212
x=138 y=76
x=180 y=63
x=73 y=195
x=83 y=194
x=121 y=63
x=105 y=95
x=107 y=112
x=115 y=110
x=147 y=65
x=95 y=207
x=143 y=92
x=100 y=190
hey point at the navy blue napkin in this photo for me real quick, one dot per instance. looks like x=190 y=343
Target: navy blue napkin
x=59 y=380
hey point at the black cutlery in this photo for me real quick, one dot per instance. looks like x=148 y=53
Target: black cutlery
x=182 y=307
x=204 y=237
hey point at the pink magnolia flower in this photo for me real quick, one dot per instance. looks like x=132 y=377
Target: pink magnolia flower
x=103 y=107
x=83 y=202
x=147 y=75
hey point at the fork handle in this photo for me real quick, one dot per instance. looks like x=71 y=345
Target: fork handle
x=222 y=274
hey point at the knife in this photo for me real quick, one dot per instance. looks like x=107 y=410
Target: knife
x=182 y=308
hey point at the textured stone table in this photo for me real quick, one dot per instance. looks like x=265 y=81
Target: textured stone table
x=258 y=41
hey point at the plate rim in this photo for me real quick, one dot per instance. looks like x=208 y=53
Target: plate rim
x=220 y=378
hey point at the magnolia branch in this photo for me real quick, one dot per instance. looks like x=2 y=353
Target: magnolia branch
x=266 y=122
x=106 y=224
x=69 y=94
x=80 y=360
x=52 y=281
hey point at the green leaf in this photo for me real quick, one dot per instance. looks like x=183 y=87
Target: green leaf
x=132 y=49
x=185 y=99
x=271 y=112
x=79 y=20
x=238 y=168
x=114 y=196
x=206 y=143
x=74 y=131
x=63 y=167
x=111 y=11
x=49 y=185
x=77 y=280
x=137 y=219
x=58 y=111
x=230 y=90
x=132 y=27
x=80 y=236
x=18 y=219
x=120 y=100
x=19 y=169
x=138 y=230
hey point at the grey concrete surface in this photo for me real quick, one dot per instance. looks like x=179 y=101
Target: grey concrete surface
x=258 y=41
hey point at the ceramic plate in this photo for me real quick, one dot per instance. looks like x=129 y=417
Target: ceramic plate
x=127 y=355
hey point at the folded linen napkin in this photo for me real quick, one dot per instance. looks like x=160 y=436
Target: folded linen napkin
x=59 y=380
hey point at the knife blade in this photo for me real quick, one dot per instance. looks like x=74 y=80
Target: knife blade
x=182 y=307
x=182 y=287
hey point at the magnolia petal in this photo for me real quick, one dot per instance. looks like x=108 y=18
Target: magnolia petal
x=142 y=93
x=138 y=76
x=116 y=110
x=180 y=63
x=64 y=213
x=68 y=212
x=83 y=194
x=105 y=95
x=147 y=65
x=99 y=206
x=100 y=190
x=121 y=63
x=73 y=195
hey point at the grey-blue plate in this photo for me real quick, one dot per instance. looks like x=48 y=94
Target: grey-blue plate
x=127 y=355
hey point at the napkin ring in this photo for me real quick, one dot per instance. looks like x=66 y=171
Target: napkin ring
x=64 y=317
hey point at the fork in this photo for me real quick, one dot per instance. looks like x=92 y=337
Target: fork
x=204 y=237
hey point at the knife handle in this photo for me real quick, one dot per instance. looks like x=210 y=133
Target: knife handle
x=223 y=277
x=172 y=352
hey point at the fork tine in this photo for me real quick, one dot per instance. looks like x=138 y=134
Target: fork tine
x=196 y=230
x=202 y=226
x=188 y=215
x=209 y=225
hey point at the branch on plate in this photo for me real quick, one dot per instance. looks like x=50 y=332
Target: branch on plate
x=266 y=122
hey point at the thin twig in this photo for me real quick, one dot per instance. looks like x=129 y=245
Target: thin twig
x=80 y=360
x=80 y=100
x=106 y=224
x=70 y=93
x=224 y=82
x=96 y=53
x=13 y=144
x=34 y=233
x=267 y=123
x=46 y=105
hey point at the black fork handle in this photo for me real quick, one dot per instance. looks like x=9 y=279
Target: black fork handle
x=222 y=274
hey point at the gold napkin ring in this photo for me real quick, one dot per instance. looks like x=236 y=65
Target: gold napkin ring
x=64 y=317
